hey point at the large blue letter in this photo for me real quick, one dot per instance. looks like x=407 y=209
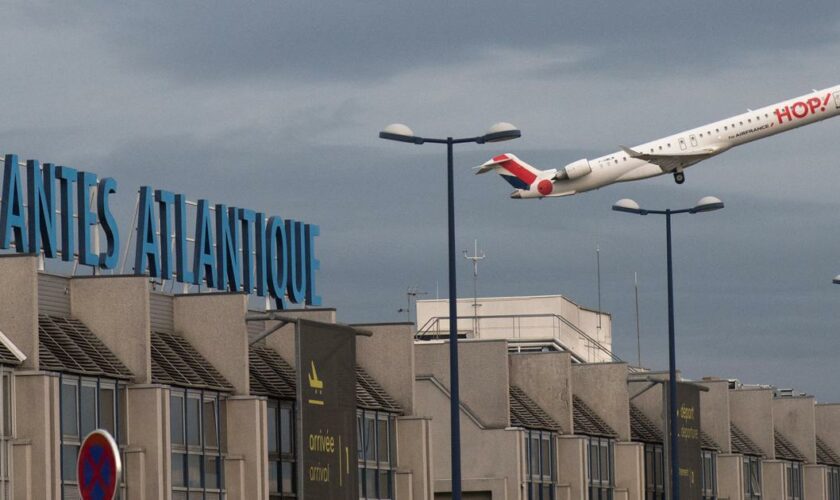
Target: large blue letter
x=227 y=248
x=11 y=213
x=67 y=176
x=312 y=265
x=275 y=236
x=296 y=239
x=247 y=218
x=147 y=241
x=110 y=259
x=164 y=200
x=182 y=266
x=40 y=187
x=260 y=238
x=204 y=261
x=84 y=182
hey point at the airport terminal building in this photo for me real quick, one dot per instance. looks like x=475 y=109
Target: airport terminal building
x=202 y=407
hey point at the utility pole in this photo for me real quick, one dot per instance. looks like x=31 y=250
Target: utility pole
x=475 y=257
x=638 y=330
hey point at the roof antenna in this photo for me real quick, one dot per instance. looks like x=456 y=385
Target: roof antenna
x=475 y=257
x=412 y=291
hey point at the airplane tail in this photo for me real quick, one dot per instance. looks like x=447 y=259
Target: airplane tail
x=516 y=172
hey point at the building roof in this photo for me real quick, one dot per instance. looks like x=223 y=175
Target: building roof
x=526 y=413
x=743 y=444
x=785 y=450
x=642 y=429
x=825 y=455
x=9 y=353
x=587 y=422
x=67 y=345
x=272 y=376
x=176 y=362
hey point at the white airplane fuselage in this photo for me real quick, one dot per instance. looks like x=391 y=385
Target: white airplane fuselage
x=674 y=153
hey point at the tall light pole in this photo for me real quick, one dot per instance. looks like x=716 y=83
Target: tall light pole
x=497 y=133
x=706 y=204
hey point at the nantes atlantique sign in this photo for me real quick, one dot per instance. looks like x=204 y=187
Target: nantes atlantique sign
x=235 y=249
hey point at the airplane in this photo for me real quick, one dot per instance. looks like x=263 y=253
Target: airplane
x=672 y=154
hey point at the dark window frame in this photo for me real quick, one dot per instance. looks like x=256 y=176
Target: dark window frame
x=186 y=452
x=708 y=474
x=794 y=480
x=540 y=477
x=833 y=482
x=282 y=459
x=654 y=471
x=752 y=470
x=376 y=472
x=601 y=457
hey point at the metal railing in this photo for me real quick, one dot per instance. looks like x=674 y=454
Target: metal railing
x=433 y=329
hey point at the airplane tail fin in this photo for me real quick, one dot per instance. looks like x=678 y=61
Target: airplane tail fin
x=516 y=172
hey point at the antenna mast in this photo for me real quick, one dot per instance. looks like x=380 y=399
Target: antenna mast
x=475 y=257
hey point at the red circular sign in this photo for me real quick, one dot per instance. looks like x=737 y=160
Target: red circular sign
x=98 y=466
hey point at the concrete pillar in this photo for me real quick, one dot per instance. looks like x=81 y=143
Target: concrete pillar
x=630 y=469
x=827 y=418
x=773 y=480
x=214 y=324
x=19 y=304
x=22 y=470
x=794 y=418
x=148 y=430
x=714 y=412
x=730 y=472
x=37 y=422
x=134 y=469
x=247 y=437
x=116 y=309
x=571 y=458
x=388 y=356
x=816 y=482
x=414 y=454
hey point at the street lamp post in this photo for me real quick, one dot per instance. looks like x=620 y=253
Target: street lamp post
x=706 y=204
x=497 y=133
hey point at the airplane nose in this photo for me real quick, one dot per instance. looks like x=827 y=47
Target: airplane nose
x=516 y=195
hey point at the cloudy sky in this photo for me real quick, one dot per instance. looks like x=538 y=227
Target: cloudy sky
x=276 y=105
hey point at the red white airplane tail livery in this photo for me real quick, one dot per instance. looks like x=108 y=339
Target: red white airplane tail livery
x=671 y=154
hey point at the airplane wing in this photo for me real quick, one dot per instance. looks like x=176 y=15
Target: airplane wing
x=673 y=161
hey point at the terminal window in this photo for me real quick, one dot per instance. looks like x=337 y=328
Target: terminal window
x=708 y=473
x=6 y=433
x=601 y=467
x=793 y=473
x=281 y=449
x=752 y=477
x=376 y=453
x=654 y=472
x=540 y=475
x=86 y=404
x=195 y=431
x=833 y=480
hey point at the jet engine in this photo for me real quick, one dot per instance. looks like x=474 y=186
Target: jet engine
x=574 y=170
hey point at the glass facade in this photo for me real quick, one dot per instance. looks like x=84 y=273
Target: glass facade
x=282 y=482
x=793 y=475
x=86 y=404
x=6 y=433
x=540 y=465
x=197 y=440
x=376 y=452
x=833 y=480
x=752 y=477
x=601 y=468
x=654 y=472
x=708 y=472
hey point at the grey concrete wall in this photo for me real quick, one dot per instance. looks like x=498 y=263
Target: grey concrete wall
x=116 y=309
x=37 y=422
x=752 y=411
x=214 y=324
x=827 y=423
x=283 y=340
x=148 y=430
x=794 y=418
x=815 y=482
x=414 y=454
x=773 y=480
x=547 y=378
x=650 y=401
x=730 y=472
x=571 y=451
x=249 y=442
x=603 y=386
x=19 y=304
x=483 y=376
x=630 y=469
x=714 y=413
x=388 y=356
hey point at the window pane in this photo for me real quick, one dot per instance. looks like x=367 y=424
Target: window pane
x=535 y=457
x=382 y=440
x=68 y=463
x=210 y=438
x=194 y=470
x=370 y=478
x=272 y=430
x=287 y=427
x=546 y=459
x=384 y=484
x=176 y=420
x=274 y=477
x=69 y=409
x=87 y=409
x=370 y=435
x=106 y=409
x=605 y=465
x=122 y=410
x=7 y=404
x=287 y=469
x=178 y=470
x=193 y=423
x=211 y=476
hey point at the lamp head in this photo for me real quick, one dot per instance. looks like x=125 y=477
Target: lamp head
x=629 y=206
x=502 y=131
x=707 y=204
x=401 y=133
x=836 y=280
